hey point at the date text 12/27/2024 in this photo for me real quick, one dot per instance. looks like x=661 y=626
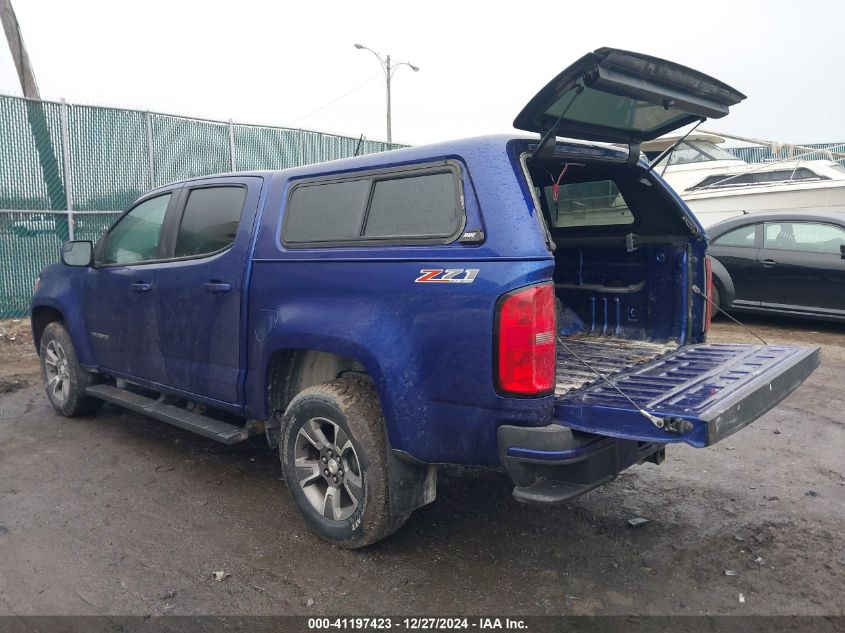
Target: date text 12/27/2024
x=416 y=624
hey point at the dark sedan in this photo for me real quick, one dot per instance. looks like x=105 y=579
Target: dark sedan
x=781 y=263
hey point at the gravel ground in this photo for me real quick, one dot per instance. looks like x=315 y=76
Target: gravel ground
x=119 y=514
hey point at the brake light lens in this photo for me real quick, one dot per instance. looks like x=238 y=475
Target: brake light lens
x=708 y=289
x=525 y=341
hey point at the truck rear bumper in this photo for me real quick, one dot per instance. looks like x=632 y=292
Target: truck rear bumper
x=553 y=464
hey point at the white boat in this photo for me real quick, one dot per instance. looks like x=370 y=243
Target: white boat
x=717 y=185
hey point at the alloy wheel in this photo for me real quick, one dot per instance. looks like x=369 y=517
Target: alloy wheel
x=328 y=469
x=58 y=374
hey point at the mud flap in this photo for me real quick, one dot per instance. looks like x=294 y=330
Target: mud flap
x=412 y=483
x=700 y=393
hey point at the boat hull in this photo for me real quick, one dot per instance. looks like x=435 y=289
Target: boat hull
x=713 y=207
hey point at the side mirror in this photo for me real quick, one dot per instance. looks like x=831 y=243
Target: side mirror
x=78 y=253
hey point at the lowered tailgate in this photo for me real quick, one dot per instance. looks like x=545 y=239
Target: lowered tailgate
x=702 y=393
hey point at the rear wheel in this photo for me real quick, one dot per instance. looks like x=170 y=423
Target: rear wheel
x=334 y=458
x=64 y=379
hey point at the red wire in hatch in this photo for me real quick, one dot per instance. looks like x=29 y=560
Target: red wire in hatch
x=556 y=183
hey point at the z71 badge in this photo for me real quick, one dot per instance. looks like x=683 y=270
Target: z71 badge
x=449 y=276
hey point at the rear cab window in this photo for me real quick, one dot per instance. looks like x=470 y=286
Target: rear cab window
x=418 y=205
x=210 y=220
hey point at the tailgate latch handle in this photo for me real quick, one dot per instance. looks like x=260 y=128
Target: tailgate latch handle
x=677 y=425
x=670 y=425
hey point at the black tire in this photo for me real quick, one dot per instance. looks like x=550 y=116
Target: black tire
x=64 y=379
x=351 y=405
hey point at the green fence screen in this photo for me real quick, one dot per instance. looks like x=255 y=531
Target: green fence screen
x=96 y=161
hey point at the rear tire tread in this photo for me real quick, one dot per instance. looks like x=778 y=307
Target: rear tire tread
x=356 y=397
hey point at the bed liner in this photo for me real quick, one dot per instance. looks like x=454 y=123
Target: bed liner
x=607 y=355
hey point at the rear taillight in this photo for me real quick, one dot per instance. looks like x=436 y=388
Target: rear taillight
x=708 y=289
x=525 y=341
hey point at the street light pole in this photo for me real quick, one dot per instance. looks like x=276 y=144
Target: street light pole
x=388 y=76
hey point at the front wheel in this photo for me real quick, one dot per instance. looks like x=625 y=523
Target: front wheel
x=64 y=379
x=334 y=456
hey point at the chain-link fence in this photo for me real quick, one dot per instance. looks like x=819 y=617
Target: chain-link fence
x=29 y=241
x=67 y=170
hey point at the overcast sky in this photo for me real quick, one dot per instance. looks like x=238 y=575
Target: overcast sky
x=276 y=62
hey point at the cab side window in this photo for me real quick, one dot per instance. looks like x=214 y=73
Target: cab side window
x=393 y=207
x=136 y=236
x=417 y=206
x=210 y=221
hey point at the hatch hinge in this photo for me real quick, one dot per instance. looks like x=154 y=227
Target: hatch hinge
x=633 y=154
x=546 y=149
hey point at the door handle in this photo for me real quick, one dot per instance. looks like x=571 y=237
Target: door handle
x=217 y=287
x=140 y=286
x=767 y=263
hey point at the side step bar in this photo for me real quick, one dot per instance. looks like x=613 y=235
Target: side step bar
x=177 y=416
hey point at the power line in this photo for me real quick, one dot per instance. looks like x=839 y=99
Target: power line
x=330 y=103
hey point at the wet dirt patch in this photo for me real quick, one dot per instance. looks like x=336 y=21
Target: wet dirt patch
x=10 y=385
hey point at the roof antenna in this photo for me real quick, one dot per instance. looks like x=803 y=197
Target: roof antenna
x=673 y=147
x=358 y=146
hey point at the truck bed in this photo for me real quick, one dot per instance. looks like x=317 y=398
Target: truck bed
x=609 y=356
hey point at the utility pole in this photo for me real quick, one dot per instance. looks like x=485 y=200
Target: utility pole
x=56 y=191
x=19 y=54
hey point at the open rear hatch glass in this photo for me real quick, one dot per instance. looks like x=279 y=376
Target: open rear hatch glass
x=701 y=393
x=618 y=96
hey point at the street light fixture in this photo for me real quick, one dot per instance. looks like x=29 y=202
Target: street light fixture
x=388 y=75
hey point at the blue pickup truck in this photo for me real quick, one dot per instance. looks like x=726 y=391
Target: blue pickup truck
x=513 y=302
